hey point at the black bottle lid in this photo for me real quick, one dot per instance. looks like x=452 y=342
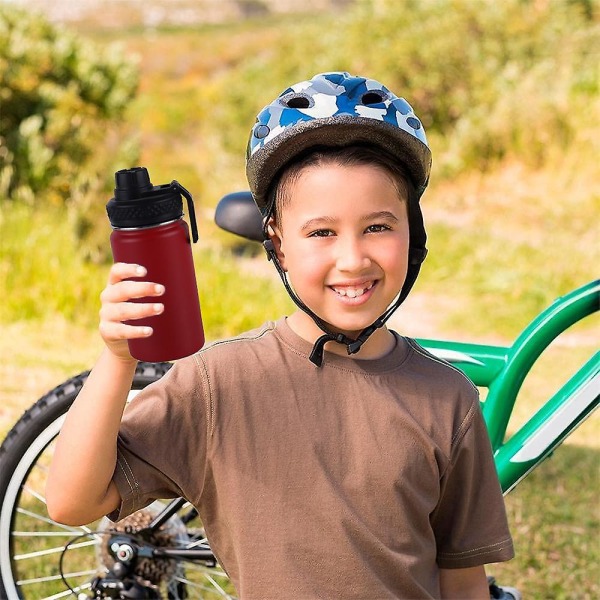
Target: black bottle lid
x=137 y=203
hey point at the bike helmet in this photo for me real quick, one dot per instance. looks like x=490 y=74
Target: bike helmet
x=335 y=110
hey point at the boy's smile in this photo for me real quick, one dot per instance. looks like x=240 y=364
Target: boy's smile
x=343 y=239
x=353 y=291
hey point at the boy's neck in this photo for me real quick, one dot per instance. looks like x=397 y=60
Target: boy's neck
x=379 y=344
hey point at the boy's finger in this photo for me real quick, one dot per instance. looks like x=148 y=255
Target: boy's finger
x=129 y=311
x=128 y=290
x=121 y=331
x=120 y=271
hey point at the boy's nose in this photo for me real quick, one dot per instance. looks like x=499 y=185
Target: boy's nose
x=351 y=256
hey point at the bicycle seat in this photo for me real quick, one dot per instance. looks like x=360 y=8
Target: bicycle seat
x=237 y=213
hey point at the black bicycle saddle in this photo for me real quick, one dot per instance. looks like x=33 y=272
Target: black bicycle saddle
x=237 y=213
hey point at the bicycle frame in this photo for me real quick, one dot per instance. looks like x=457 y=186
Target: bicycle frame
x=502 y=371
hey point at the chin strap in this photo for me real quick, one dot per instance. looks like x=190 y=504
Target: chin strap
x=353 y=346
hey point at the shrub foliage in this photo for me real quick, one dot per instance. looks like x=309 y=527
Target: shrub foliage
x=490 y=80
x=63 y=102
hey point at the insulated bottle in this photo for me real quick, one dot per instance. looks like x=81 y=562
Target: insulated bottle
x=149 y=230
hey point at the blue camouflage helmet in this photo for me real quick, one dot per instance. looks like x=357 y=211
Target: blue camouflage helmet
x=334 y=109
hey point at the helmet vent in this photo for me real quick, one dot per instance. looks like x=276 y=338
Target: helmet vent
x=297 y=101
x=372 y=98
x=414 y=123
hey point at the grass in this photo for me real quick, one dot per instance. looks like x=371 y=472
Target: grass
x=554 y=519
x=505 y=244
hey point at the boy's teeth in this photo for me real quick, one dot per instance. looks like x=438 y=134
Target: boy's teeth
x=352 y=293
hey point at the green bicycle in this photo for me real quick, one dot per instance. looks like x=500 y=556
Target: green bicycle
x=161 y=551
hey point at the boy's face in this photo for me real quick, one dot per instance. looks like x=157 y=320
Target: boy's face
x=343 y=239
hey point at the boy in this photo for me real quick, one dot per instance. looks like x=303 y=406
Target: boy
x=316 y=474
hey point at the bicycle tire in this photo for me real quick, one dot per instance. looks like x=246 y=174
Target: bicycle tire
x=24 y=455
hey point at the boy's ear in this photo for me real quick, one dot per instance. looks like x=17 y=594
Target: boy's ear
x=275 y=236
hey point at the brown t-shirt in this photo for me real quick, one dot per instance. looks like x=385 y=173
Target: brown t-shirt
x=358 y=479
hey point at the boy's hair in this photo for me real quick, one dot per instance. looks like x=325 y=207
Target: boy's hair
x=346 y=156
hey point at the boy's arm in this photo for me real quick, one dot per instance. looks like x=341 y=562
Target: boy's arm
x=79 y=488
x=464 y=584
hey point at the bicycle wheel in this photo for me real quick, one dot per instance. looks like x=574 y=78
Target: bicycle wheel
x=42 y=559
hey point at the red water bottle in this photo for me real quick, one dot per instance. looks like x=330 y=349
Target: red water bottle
x=149 y=230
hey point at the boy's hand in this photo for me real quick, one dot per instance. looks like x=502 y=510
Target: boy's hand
x=116 y=307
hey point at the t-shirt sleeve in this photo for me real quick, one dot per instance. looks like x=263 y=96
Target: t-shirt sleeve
x=470 y=521
x=161 y=447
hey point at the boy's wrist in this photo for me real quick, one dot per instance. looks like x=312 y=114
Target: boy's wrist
x=127 y=363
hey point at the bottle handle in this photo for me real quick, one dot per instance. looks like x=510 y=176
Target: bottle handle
x=191 y=211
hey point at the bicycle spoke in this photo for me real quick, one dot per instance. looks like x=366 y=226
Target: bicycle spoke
x=68 y=593
x=48 y=578
x=71 y=530
x=200 y=568
x=203 y=542
x=55 y=550
x=28 y=513
x=217 y=586
x=68 y=534
x=35 y=494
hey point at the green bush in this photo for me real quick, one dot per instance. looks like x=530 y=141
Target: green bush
x=490 y=80
x=64 y=102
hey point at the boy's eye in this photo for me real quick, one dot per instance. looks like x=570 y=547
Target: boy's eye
x=321 y=233
x=377 y=228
